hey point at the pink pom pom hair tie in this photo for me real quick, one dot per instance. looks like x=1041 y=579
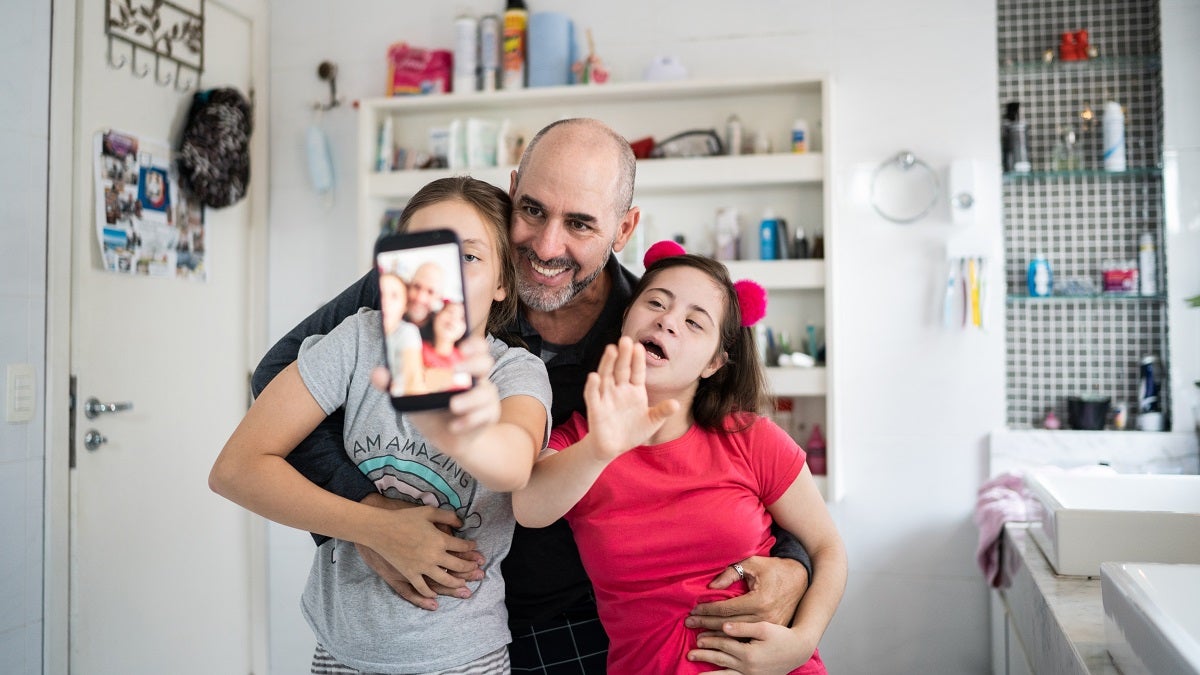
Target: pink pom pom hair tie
x=752 y=298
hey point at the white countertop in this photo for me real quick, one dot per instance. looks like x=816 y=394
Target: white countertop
x=1060 y=620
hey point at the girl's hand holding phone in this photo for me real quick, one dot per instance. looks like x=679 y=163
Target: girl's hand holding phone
x=454 y=429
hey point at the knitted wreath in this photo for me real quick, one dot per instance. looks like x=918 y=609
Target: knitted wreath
x=214 y=157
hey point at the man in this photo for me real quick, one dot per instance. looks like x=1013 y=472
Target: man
x=424 y=293
x=572 y=209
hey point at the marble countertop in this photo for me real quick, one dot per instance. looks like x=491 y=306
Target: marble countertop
x=1060 y=620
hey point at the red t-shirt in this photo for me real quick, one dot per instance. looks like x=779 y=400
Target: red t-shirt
x=663 y=521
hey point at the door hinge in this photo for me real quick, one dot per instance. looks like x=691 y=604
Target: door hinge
x=71 y=424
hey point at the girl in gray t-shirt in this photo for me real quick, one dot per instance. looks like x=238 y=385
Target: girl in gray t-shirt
x=460 y=463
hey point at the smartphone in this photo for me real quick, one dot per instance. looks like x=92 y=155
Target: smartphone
x=424 y=317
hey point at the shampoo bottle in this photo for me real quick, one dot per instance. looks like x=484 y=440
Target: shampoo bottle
x=768 y=230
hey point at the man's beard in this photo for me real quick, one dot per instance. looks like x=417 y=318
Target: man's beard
x=543 y=299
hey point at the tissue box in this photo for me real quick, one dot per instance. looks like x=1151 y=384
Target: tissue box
x=412 y=70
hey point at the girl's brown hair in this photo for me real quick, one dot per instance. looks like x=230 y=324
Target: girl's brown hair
x=740 y=384
x=495 y=207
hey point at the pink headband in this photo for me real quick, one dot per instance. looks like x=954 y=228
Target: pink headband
x=752 y=298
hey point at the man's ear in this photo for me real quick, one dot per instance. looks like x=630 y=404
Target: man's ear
x=626 y=227
x=512 y=185
x=716 y=364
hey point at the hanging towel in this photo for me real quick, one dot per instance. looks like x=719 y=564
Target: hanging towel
x=1000 y=500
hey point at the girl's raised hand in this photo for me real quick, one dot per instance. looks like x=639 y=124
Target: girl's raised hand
x=619 y=413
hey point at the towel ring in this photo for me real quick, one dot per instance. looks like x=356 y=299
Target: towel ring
x=896 y=179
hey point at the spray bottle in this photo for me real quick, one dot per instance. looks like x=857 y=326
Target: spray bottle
x=516 y=23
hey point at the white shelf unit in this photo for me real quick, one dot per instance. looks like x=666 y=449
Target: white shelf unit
x=677 y=196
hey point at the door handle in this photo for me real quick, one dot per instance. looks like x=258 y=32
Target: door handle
x=93 y=440
x=93 y=407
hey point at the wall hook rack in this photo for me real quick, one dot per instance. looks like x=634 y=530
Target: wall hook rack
x=327 y=72
x=164 y=30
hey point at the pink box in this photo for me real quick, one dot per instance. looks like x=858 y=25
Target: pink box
x=413 y=70
x=1121 y=280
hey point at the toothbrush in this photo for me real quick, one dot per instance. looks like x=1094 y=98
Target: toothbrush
x=948 y=303
x=983 y=299
x=975 y=316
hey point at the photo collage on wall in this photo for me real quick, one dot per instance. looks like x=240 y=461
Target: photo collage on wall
x=144 y=224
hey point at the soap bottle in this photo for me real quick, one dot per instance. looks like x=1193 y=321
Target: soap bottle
x=1039 y=278
x=815 y=451
x=768 y=231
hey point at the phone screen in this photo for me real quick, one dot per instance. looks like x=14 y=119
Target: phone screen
x=424 y=317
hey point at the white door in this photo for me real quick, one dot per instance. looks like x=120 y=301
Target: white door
x=160 y=567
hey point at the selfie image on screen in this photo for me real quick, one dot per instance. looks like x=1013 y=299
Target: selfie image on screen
x=421 y=295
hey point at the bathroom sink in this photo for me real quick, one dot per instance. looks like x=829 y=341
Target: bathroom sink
x=1087 y=519
x=1152 y=617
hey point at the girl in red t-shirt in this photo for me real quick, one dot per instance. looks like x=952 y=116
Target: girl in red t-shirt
x=673 y=476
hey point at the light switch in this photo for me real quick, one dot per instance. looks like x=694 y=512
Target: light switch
x=22 y=389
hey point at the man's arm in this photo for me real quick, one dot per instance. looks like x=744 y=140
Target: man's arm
x=788 y=546
x=321 y=457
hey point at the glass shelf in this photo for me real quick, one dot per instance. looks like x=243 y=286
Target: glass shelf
x=1138 y=64
x=1034 y=176
x=1096 y=297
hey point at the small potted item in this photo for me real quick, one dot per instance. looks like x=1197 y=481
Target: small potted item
x=590 y=70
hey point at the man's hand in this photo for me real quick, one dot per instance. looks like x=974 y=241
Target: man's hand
x=427 y=544
x=776 y=586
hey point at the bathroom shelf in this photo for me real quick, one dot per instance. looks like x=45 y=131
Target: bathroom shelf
x=796 y=381
x=780 y=274
x=1124 y=64
x=653 y=175
x=1138 y=172
x=1097 y=297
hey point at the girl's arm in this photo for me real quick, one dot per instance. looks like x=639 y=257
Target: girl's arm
x=802 y=511
x=619 y=418
x=252 y=471
x=495 y=440
x=414 y=370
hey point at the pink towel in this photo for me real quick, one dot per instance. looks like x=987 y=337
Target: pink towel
x=1000 y=500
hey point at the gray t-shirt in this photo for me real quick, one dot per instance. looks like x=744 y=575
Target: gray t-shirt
x=357 y=617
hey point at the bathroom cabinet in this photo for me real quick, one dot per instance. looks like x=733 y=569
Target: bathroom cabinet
x=679 y=196
x=1082 y=341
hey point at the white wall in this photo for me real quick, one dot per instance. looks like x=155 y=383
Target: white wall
x=916 y=402
x=24 y=134
x=1181 y=145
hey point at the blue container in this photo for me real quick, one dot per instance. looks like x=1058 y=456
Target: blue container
x=1040 y=278
x=768 y=234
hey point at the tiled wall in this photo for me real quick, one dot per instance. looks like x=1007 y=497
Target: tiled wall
x=1081 y=220
x=24 y=133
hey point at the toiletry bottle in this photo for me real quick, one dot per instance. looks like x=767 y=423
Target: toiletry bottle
x=489 y=52
x=800 y=136
x=516 y=23
x=466 y=52
x=384 y=148
x=800 y=245
x=1039 y=277
x=1066 y=152
x=1020 y=147
x=1147 y=264
x=768 y=230
x=1114 y=137
x=814 y=448
x=733 y=135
